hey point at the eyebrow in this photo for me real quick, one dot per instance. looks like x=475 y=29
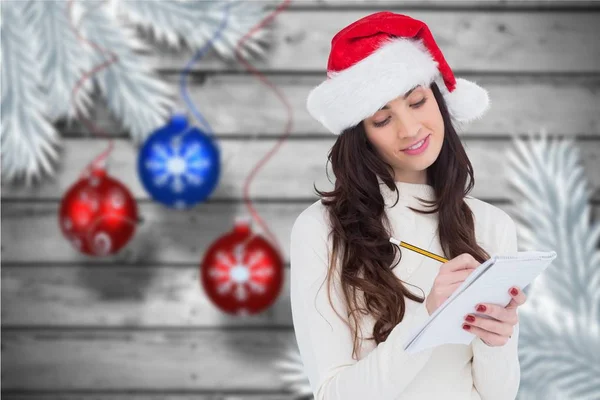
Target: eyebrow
x=405 y=96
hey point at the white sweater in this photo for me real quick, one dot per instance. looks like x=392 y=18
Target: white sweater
x=450 y=372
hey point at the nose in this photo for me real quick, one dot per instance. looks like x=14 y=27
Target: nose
x=407 y=125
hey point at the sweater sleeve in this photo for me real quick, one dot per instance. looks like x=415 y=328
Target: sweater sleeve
x=324 y=340
x=495 y=369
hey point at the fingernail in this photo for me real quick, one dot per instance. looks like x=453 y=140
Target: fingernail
x=466 y=327
x=514 y=291
x=481 y=308
x=470 y=318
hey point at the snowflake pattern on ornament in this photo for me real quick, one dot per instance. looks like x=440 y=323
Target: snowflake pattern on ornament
x=117 y=199
x=239 y=277
x=102 y=243
x=176 y=168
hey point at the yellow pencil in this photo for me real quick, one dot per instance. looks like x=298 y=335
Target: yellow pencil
x=418 y=250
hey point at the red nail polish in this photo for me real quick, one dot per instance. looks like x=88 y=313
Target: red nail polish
x=466 y=327
x=481 y=308
x=470 y=318
x=514 y=291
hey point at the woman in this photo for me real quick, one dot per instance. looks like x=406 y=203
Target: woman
x=401 y=171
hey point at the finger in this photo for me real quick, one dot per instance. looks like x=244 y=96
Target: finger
x=518 y=297
x=512 y=304
x=463 y=261
x=491 y=339
x=456 y=276
x=490 y=325
x=503 y=314
x=451 y=289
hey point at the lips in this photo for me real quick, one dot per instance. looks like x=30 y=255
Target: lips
x=423 y=138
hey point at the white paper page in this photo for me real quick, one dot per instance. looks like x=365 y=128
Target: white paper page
x=488 y=283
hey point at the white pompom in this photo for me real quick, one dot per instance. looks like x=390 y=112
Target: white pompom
x=468 y=101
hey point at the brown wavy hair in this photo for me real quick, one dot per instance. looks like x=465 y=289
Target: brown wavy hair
x=360 y=227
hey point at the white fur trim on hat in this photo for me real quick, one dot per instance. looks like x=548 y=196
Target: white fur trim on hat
x=349 y=96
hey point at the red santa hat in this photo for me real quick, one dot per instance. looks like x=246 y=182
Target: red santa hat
x=380 y=57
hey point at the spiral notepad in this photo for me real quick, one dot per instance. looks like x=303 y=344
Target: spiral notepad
x=488 y=283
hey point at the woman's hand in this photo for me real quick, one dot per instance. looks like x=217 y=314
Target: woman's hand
x=451 y=275
x=496 y=331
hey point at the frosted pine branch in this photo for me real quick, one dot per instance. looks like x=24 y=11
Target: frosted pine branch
x=133 y=92
x=554 y=214
x=560 y=322
x=29 y=141
x=291 y=372
x=62 y=57
x=194 y=22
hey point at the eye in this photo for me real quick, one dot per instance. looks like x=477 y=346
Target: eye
x=382 y=123
x=420 y=103
x=385 y=121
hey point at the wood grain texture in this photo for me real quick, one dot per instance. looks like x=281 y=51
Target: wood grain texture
x=157 y=360
x=439 y=4
x=138 y=325
x=239 y=105
x=501 y=42
x=98 y=395
x=30 y=233
x=121 y=296
x=289 y=174
x=129 y=296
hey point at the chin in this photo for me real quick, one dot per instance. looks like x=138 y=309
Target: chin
x=420 y=162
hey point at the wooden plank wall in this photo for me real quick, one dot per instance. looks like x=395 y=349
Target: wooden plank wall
x=138 y=325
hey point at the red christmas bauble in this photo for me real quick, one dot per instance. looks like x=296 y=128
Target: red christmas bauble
x=98 y=214
x=241 y=272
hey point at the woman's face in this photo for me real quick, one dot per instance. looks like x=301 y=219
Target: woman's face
x=400 y=124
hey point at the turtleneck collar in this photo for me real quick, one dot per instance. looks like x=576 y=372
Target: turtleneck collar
x=408 y=194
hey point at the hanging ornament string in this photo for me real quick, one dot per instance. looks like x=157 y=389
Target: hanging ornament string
x=185 y=92
x=186 y=71
x=288 y=126
x=209 y=130
x=122 y=205
x=242 y=273
x=100 y=161
x=179 y=164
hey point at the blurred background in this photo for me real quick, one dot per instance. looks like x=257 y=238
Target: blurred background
x=134 y=312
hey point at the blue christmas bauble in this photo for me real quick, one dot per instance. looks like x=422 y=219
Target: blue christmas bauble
x=179 y=165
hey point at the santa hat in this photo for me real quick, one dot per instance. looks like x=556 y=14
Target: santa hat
x=380 y=57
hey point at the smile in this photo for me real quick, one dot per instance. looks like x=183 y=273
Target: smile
x=419 y=147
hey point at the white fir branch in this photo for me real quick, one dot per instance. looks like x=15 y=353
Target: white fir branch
x=133 y=92
x=29 y=141
x=560 y=356
x=554 y=209
x=62 y=57
x=43 y=60
x=290 y=370
x=560 y=323
x=194 y=22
